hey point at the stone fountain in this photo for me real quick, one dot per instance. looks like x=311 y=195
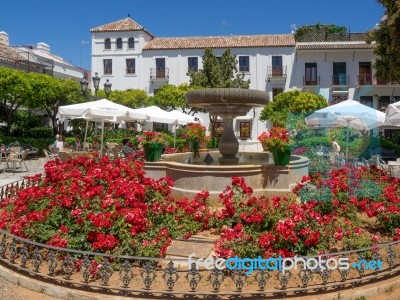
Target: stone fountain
x=228 y=103
x=213 y=170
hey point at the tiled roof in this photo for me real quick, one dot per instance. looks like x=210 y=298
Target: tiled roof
x=126 y=24
x=201 y=42
x=334 y=45
x=9 y=53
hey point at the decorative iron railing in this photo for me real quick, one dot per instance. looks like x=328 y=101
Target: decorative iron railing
x=130 y=275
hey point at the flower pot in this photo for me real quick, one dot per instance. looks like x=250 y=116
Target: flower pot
x=265 y=147
x=152 y=152
x=282 y=158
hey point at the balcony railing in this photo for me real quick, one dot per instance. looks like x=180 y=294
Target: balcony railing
x=311 y=81
x=364 y=79
x=341 y=80
x=276 y=72
x=159 y=74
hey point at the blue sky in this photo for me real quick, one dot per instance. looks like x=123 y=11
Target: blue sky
x=65 y=24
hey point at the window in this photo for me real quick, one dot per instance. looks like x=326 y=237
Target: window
x=276 y=91
x=383 y=102
x=244 y=64
x=130 y=66
x=367 y=100
x=107 y=64
x=192 y=64
x=337 y=98
x=310 y=74
x=107 y=44
x=219 y=128
x=277 y=69
x=244 y=130
x=131 y=43
x=339 y=73
x=160 y=68
x=119 y=43
x=365 y=73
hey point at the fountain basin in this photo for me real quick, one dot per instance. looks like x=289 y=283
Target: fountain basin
x=256 y=168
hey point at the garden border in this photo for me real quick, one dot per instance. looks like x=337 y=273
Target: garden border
x=26 y=257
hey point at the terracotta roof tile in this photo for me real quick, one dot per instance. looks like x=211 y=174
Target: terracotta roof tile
x=126 y=24
x=334 y=45
x=201 y=42
x=9 y=53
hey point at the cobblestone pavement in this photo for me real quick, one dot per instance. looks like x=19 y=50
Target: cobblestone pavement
x=10 y=291
x=34 y=166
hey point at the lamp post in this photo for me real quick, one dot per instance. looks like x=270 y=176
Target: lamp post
x=107 y=88
x=84 y=85
x=96 y=82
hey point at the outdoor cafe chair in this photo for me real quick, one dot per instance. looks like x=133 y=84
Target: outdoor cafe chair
x=18 y=158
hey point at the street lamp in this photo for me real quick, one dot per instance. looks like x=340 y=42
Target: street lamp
x=84 y=85
x=107 y=88
x=96 y=82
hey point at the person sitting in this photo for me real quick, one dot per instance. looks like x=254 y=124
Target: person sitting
x=77 y=144
x=96 y=143
x=335 y=148
x=127 y=148
x=58 y=143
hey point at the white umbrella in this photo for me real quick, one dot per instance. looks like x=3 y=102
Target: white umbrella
x=100 y=111
x=175 y=117
x=393 y=114
x=349 y=113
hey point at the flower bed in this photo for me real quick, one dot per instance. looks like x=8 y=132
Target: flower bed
x=111 y=206
x=103 y=206
x=349 y=209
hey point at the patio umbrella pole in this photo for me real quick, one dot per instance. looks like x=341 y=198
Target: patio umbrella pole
x=102 y=136
x=347 y=140
x=86 y=129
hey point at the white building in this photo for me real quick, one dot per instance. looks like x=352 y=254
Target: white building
x=130 y=57
x=37 y=58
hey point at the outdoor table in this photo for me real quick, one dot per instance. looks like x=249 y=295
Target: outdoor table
x=392 y=165
x=82 y=153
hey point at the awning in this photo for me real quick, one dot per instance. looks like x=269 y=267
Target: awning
x=244 y=118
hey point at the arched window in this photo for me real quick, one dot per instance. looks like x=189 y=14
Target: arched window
x=131 y=43
x=119 y=43
x=107 y=43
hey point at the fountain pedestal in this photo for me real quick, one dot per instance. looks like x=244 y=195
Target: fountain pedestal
x=228 y=103
x=228 y=144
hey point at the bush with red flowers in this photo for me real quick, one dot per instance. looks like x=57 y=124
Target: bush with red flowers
x=101 y=205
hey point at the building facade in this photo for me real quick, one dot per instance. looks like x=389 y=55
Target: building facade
x=130 y=57
x=37 y=58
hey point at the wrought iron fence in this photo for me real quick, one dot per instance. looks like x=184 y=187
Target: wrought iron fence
x=130 y=275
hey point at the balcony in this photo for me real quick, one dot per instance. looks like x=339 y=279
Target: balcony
x=276 y=73
x=364 y=79
x=340 y=80
x=159 y=75
x=311 y=81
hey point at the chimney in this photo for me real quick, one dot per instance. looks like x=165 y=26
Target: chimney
x=42 y=46
x=4 y=38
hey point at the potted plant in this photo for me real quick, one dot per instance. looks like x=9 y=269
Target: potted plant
x=153 y=143
x=195 y=133
x=278 y=142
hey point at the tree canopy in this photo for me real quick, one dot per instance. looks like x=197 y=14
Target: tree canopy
x=15 y=91
x=170 y=97
x=36 y=91
x=219 y=72
x=134 y=98
x=387 y=38
x=288 y=104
